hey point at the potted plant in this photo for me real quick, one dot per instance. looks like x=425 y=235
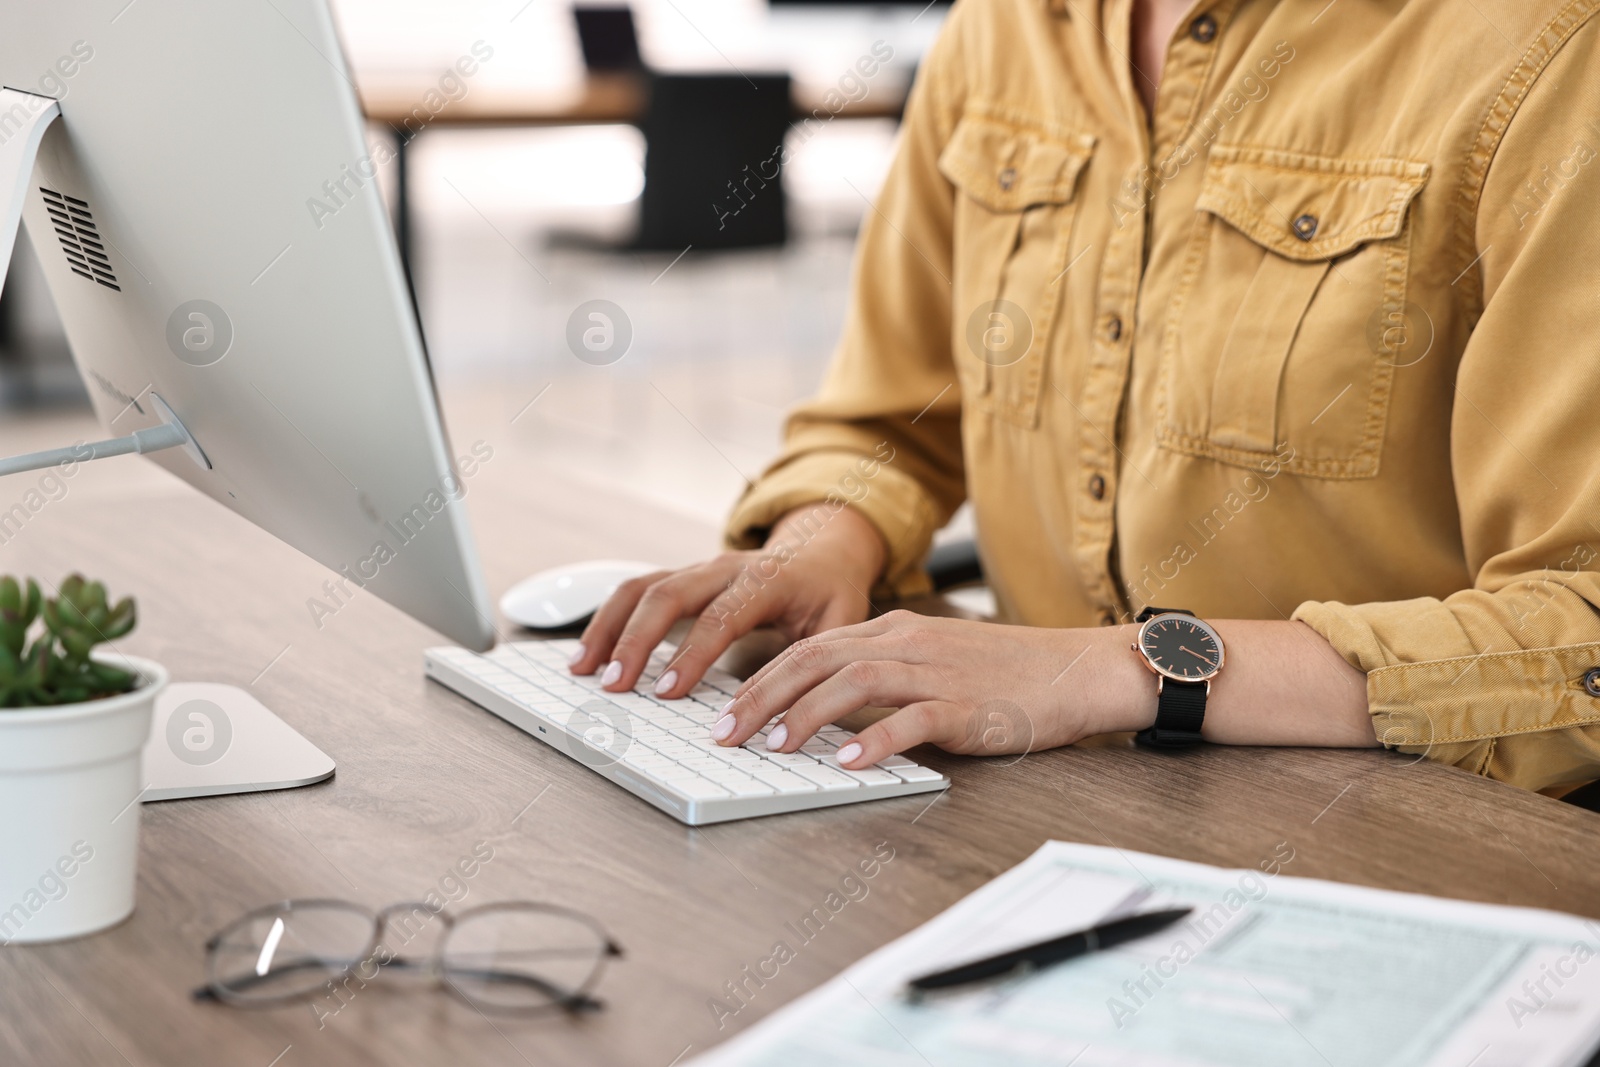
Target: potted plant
x=73 y=722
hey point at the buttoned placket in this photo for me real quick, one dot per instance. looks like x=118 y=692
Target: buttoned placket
x=1188 y=59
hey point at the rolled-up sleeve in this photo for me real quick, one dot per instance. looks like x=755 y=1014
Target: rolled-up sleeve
x=1501 y=678
x=884 y=433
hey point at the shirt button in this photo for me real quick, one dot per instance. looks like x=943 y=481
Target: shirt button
x=1008 y=177
x=1591 y=682
x=1203 y=29
x=1305 y=227
x=1114 y=328
x=1097 y=487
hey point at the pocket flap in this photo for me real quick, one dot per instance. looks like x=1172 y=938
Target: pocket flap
x=1009 y=167
x=1309 y=207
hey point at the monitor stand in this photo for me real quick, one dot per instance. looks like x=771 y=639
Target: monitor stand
x=208 y=739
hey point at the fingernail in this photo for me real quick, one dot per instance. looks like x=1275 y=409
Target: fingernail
x=577 y=654
x=727 y=708
x=666 y=682
x=779 y=734
x=850 y=753
x=723 y=728
x=613 y=673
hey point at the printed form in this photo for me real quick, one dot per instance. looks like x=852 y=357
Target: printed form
x=1268 y=971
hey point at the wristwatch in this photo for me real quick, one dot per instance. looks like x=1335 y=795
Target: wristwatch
x=1184 y=653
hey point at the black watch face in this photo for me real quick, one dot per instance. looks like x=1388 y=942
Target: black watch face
x=1181 y=648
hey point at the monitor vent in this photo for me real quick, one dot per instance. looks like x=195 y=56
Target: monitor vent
x=86 y=255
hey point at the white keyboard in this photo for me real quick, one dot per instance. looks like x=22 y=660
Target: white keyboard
x=661 y=750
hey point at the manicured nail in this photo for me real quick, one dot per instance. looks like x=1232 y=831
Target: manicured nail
x=850 y=753
x=666 y=682
x=577 y=654
x=723 y=728
x=727 y=708
x=779 y=734
x=613 y=673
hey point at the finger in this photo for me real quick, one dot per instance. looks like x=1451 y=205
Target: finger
x=594 y=647
x=864 y=683
x=732 y=614
x=859 y=631
x=799 y=670
x=663 y=604
x=935 y=721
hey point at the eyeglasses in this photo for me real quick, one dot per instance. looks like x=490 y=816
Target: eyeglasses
x=515 y=957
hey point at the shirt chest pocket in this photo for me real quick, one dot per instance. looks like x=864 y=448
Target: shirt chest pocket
x=1014 y=210
x=1274 y=345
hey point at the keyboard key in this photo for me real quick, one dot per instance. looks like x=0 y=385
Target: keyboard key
x=889 y=763
x=788 y=759
x=699 y=789
x=872 y=776
x=783 y=781
x=750 y=787
x=825 y=778
x=915 y=773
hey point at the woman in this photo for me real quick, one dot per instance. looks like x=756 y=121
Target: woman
x=1279 y=313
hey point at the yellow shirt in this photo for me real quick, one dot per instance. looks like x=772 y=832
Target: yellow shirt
x=1321 y=341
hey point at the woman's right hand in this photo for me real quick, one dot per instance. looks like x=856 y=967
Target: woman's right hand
x=814 y=573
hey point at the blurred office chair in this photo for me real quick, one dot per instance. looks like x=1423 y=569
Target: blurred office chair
x=713 y=174
x=713 y=145
x=608 y=38
x=954 y=564
x=1585 y=796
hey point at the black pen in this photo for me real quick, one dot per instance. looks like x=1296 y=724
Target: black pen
x=1044 y=953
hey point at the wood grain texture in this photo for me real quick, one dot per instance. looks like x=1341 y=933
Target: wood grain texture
x=424 y=776
x=603 y=98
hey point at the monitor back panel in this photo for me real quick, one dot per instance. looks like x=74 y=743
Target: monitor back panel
x=207 y=215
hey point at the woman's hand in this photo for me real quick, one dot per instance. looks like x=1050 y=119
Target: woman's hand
x=968 y=687
x=986 y=689
x=814 y=573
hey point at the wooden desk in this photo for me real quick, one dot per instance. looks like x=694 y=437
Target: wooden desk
x=397 y=103
x=424 y=776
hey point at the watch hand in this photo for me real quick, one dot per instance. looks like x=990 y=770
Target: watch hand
x=1195 y=654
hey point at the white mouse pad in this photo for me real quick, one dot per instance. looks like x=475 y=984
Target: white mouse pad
x=208 y=739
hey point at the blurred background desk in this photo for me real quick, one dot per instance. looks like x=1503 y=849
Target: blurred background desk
x=425 y=776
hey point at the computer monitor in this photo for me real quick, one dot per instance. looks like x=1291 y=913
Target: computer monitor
x=206 y=213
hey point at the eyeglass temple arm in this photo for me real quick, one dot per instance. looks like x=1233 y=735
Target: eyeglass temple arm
x=567 y=999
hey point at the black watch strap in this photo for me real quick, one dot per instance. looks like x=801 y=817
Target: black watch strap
x=1149 y=613
x=1180 y=707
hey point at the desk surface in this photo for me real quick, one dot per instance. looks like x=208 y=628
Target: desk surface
x=603 y=98
x=424 y=776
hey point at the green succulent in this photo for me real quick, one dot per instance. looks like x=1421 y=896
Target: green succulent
x=56 y=667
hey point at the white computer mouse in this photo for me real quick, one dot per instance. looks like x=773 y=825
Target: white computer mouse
x=565 y=596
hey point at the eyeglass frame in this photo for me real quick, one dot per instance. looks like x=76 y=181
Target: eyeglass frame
x=574 y=1002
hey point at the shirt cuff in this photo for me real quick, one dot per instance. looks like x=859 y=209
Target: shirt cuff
x=894 y=502
x=1430 y=693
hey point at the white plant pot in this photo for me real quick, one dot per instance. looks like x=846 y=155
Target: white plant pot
x=69 y=811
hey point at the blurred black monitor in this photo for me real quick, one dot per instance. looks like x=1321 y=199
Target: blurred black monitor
x=608 y=38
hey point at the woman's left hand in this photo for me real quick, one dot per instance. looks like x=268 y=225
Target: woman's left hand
x=973 y=688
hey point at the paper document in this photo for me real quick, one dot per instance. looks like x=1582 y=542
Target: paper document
x=1269 y=971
